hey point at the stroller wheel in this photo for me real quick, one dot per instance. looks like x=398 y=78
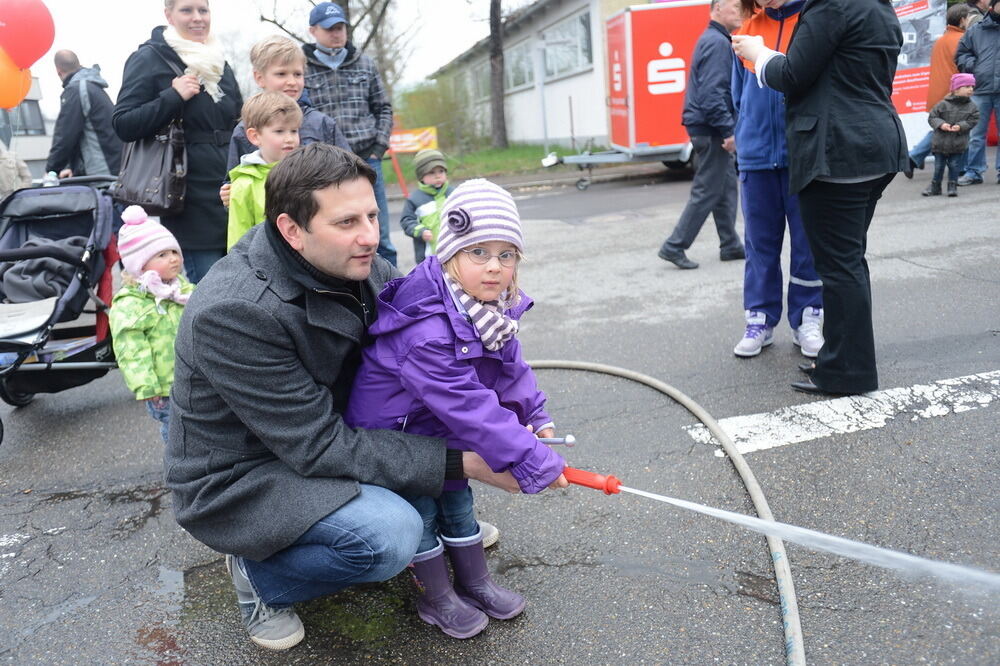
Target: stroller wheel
x=14 y=398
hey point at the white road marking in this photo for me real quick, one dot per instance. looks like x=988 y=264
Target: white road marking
x=816 y=420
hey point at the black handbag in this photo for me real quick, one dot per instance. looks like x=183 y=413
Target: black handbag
x=154 y=169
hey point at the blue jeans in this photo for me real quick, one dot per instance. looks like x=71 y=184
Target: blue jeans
x=370 y=539
x=953 y=162
x=988 y=105
x=451 y=515
x=197 y=263
x=385 y=247
x=767 y=209
x=160 y=413
x=920 y=151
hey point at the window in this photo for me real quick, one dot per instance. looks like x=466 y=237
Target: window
x=481 y=80
x=26 y=119
x=567 y=45
x=518 y=66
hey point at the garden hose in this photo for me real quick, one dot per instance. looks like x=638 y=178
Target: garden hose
x=794 y=647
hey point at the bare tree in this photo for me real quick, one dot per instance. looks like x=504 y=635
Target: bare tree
x=369 y=19
x=497 y=114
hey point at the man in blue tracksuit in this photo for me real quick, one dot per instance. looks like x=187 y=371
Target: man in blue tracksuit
x=767 y=204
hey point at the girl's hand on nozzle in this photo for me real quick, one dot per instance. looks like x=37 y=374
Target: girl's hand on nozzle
x=561 y=482
x=546 y=432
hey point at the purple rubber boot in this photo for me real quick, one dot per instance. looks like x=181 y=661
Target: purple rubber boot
x=438 y=604
x=473 y=583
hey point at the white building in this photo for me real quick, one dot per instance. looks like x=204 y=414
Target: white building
x=554 y=73
x=24 y=130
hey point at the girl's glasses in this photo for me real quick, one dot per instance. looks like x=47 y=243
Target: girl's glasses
x=478 y=255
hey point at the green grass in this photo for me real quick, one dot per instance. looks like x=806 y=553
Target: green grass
x=518 y=158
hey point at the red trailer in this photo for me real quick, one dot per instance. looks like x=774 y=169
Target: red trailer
x=649 y=50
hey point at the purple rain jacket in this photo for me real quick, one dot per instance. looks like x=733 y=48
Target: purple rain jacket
x=428 y=373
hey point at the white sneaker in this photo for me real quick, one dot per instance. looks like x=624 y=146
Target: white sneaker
x=490 y=533
x=809 y=336
x=757 y=335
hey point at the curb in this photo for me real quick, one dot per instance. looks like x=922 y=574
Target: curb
x=567 y=180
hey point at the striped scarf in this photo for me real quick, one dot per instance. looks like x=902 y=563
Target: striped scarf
x=494 y=327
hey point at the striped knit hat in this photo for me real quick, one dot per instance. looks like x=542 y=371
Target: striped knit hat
x=140 y=239
x=478 y=211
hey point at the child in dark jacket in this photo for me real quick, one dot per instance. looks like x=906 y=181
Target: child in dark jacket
x=279 y=66
x=422 y=210
x=952 y=119
x=446 y=363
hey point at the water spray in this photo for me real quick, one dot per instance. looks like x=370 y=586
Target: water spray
x=975 y=579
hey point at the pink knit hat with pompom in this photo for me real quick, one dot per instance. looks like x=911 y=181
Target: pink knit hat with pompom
x=140 y=239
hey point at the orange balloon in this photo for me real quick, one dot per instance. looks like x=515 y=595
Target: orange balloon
x=14 y=82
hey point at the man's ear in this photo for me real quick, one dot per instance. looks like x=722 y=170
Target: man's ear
x=290 y=231
x=253 y=136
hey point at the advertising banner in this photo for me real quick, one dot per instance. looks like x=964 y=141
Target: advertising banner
x=413 y=140
x=923 y=22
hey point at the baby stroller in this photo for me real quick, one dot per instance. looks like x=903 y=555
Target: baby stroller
x=56 y=255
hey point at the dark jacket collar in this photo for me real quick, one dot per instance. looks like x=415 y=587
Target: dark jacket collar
x=271 y=259
x=721 y=28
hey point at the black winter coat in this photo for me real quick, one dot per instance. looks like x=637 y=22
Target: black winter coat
x=837 y=79
x=83 y=138
x=954 y=110
x=147 y=102
x=979 y=54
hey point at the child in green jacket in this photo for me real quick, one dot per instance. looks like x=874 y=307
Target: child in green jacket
x=422 y=211
x=147 y=309
x=272 y=122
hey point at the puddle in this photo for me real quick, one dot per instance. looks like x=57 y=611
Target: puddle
x=150 y=495
x=364 y=619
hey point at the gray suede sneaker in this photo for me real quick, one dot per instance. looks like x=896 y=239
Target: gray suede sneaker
x=271 y=628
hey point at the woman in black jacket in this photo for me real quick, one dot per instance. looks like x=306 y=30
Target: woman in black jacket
x=207 y=99
x=845 y=145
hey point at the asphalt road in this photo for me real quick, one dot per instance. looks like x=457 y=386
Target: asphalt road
x=93 y=568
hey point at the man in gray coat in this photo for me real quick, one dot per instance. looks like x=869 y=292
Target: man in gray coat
x=710 y=120
x=260 y=462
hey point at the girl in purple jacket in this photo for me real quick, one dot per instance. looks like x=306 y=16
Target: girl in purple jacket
x=446 y=363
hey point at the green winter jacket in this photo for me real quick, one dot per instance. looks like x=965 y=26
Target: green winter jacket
x=142 y=333
x=246 y=198
x=422 y=210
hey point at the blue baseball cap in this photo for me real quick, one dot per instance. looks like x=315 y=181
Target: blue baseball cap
x=326 y=15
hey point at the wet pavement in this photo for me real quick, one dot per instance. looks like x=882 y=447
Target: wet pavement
x=93 y=568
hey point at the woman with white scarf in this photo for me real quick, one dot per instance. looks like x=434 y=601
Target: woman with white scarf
x=207 y=100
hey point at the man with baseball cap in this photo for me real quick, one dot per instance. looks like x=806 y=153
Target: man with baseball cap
x=345 y=83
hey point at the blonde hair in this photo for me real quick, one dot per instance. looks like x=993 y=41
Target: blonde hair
x=265 y=107
x=508 y=299
x=276 y=50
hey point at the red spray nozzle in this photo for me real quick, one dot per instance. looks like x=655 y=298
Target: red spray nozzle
x=609 y=484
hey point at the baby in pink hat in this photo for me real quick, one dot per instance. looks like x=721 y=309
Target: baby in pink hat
x=146 y=311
